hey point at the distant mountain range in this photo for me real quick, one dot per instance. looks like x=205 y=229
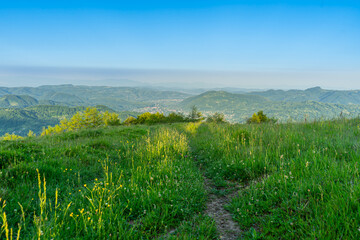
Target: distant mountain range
x=118 y=98
x=313 y=94
x=239 y=107
x=23 y=107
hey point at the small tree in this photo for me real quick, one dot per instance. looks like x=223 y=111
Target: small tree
x=111 y=119
x=143 y=118
x=92 y=118
x=31 y=134
x=258 y=117
x=195 y=114
x=130 y=120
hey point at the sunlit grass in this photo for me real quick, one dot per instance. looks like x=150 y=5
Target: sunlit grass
x=301 y=181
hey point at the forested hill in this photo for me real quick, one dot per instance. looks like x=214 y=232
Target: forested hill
x=19 y=101
x=316 y=94
x=239 y=107
x=118 y=98
x=22 y=108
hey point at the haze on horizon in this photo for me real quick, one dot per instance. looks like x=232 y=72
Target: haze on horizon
x=245 y=44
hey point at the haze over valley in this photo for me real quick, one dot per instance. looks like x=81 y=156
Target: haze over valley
x=167 y=120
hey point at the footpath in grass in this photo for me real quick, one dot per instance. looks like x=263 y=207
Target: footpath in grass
x=112 y=183
x=302 y=180
x=278 y=181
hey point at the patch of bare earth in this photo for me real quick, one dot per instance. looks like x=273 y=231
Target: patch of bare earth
x=228 y=229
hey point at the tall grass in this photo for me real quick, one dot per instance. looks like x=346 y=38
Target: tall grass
x=302 y=179
x=118 y=183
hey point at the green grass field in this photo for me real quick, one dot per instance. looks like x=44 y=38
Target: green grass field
x=296 y=181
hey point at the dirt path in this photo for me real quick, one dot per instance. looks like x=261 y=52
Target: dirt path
x=228 y=229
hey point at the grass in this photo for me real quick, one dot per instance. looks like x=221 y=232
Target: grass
x=117 y=183
x=300 y=181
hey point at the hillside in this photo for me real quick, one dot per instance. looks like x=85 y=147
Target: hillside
x=17 y=101
x=239 y=107
x=316 y=94
x=118 y=98
x=211 y=100
x=292 y=105
x=184 y=181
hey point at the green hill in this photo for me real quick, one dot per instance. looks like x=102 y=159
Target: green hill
x=239 y=107
x=118 y=98
x=17 y=101
x=184 y=181
x=313 y=94
x=211 y=100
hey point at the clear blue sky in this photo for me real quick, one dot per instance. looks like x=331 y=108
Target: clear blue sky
x=238 y=36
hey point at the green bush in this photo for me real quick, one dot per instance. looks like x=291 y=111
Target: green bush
x=260 y=117
x=216 y=118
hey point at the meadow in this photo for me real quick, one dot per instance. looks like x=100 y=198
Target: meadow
x=287 y=181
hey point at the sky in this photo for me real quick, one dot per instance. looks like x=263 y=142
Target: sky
x=208 y=43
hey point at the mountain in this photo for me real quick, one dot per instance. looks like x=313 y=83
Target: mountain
x=17 y=101
x=211 y=100
x=22 y=107
x=239 y=107
x=313 y=94
x=118 y=98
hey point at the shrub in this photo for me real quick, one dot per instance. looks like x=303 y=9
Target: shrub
x=130 y=120
x=260 y=117
x=111 y=119
x=216 y=118
x=8 y=136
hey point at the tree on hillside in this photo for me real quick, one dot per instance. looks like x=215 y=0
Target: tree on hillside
x=111 y=119
x=195 y=114
x=260 y=117
x=92 y=118
x=130 y=120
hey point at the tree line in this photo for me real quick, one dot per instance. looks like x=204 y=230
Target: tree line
x=92 y=118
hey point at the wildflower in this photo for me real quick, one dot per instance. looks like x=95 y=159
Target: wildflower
x=71 y=214
x=84 y=185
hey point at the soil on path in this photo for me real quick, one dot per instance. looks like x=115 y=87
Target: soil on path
x=228 y=229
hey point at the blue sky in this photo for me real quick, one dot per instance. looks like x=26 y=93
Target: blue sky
x=280 y=37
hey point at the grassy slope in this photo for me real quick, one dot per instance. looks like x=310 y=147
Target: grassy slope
x=125 y=182
x=301 y=180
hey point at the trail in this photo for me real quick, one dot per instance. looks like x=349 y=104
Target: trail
x=228 y=229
